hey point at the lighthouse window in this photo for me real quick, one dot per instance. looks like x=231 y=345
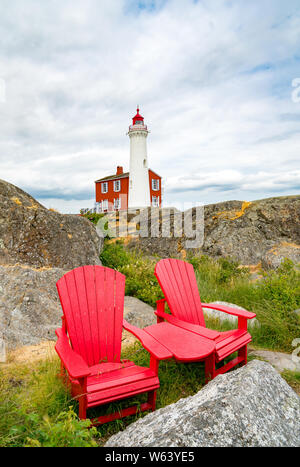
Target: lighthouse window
x=117 y=185
x=155 y=184
x=139 y=122
x=104 y=187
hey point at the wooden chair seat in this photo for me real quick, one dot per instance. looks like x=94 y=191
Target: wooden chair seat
x=229 y=342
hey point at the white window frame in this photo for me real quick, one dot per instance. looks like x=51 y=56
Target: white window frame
x=117 y=203
x=104 y=187
x=116 y=183
x=105 y=205
x=155 y=184
x=155 y=201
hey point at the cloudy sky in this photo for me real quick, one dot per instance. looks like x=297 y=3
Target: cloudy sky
x=214 y=80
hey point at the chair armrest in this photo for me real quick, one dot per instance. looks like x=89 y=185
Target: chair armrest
x=195 y=328
x=74 y=363
x=148 y=342
x=230 y=310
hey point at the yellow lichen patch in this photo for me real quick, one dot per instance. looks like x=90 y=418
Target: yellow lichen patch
x=245 y=205
x=232 y=215
x=274 y=249
x=183 y=254
x=16 y=200
x=25 y=266
x=33 y=206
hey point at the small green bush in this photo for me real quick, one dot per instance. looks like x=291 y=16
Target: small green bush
x=139 y=271
x=114 y=255
x=93 y=217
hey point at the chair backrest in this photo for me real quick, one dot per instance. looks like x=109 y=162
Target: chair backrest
x=92 y=299
x=178 y=282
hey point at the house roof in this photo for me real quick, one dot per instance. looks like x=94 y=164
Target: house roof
x=113 y=177
x=117 y=177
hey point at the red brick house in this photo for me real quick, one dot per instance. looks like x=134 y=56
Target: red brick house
x=112 y=191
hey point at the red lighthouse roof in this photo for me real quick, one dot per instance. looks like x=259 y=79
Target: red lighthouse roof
x=138 y=119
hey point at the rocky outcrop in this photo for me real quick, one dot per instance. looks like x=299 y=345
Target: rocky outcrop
x=37 y=246
x=251 y=406
x=273 y=258
x=30 y=310
x=244 y=231
x=33 y=235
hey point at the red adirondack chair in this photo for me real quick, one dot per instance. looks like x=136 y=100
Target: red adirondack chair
x=89 y=343
x=178 y=283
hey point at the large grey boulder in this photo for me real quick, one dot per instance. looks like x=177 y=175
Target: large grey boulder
x=251 y=406
x=138 y=313
x=30 y=310
x=33 y=235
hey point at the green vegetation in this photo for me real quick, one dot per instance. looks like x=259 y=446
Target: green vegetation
x=273 y=297
x=37 y=410
x=140 y=280
x=93 y=217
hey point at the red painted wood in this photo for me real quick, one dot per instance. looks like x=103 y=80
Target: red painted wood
x=178 y=282
x=179 y=285
x=184 y=346
x=230 y=310
x=154 y=347
x=233 y=347
x=75 y=364
x=89 y=343
x=229 y=365
x=195 y=328
x=121 y=414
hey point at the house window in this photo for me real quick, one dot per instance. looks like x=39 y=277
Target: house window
x=104 y=187
x=105 y=205
x=117 y=203
x=155 y=201
x=155 y=184
x=117 y=185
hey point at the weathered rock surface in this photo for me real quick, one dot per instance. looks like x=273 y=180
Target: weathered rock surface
x=274 y=257
x=281 y=361
x=246 y=232
x=30 y=310
x=251 y=406
x=33 y=235
x=138 y=313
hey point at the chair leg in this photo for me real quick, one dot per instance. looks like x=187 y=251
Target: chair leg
x=210 y=368
x=152 y=399
x=82 y=407
x=83 y=398
x=243 y=353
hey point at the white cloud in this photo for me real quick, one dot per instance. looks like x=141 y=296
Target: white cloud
x=213 y=79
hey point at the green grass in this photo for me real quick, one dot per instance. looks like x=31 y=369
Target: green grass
x=273 y=298
x=37 y=410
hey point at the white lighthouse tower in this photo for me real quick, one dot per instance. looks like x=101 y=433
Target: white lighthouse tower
x=139 y=190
